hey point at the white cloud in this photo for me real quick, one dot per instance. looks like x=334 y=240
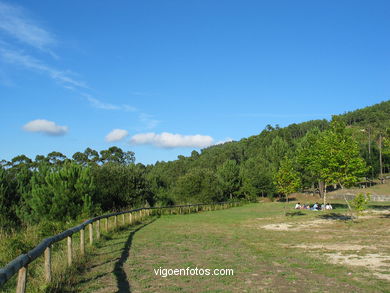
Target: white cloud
x=169 y=140
x=46 y=127
x=16 y=22
x=228 y=139
x=116 y=135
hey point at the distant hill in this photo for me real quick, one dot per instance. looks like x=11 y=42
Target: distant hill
x=258 y=157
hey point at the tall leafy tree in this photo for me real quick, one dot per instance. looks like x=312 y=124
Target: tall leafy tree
x=334 y=158
x=257 y=178
x=228 y=176
x=197 y=186
x=287 y=180
x=117 y=155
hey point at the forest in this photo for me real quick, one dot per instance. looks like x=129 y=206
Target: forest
x=314 y=156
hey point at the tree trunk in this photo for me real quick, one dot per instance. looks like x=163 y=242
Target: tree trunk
x=380 y=160
x=285 y=205
x=324 y=194
x=321 y=185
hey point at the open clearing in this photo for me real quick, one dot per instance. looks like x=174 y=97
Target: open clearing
x=269 y=252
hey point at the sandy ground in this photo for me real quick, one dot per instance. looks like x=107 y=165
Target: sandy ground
x=349 y=254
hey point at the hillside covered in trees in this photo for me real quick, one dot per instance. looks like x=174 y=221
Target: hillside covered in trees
x=313 y=155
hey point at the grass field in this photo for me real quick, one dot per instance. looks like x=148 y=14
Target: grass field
x=269 y=252
x=381 y=189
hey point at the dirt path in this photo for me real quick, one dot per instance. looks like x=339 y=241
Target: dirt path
x=107 y=271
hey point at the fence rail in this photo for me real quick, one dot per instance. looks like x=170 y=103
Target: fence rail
x=20 y=264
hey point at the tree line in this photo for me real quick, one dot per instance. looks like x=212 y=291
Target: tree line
x=313 y=155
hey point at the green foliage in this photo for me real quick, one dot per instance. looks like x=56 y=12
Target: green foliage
x=119 y=186
x=360 y=202
x=198 y=185
x=332 y=156
x=117 y=155
x=256 y=177
x=228 y=176
x=60 y=194
x=287 y=180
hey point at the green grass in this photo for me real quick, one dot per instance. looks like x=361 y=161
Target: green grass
x=263 y=260
x=381 y=189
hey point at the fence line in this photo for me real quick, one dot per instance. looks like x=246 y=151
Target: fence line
x=20 y=264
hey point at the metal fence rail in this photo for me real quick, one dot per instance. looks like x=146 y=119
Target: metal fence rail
x=20 y=264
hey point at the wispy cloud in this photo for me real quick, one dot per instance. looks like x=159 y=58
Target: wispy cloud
x=148 y=121
x=116 y=135
x=16 y=22
x=23 y=31
x=169 y=140
x=99 y=104
x=46 y=127
x=107 y=106
x=31 y=63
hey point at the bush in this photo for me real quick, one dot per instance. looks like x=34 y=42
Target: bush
x=360 y=202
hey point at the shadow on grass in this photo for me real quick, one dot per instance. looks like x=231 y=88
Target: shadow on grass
x=119 y=272
x=379 y=207
x=385 y=216
x=94 y=278
x=339 y=205
x=293 y=214
x=103 y=263
x=335 y=216
x=282 y=199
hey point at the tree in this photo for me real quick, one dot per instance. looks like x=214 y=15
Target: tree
x=276 y=151
x=228 y=176
x=80 y=158
x=360 y=202
x=60 y=193
x=9 y=200
x=92 y=155
x=306 y=155
x=287 y=180
x=257 y=178
x=197 y=186
x=334 y=157
x=119 y=186
x=117 y=155
x=56 y=158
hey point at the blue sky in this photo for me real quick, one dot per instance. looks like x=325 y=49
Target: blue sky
x=162 y=78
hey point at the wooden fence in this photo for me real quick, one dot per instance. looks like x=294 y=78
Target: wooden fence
x=20 y=264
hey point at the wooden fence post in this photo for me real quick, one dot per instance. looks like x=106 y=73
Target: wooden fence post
x=82 y=242
x=98 y=229
x=123 y=219
x=48 y=264
x=116 y=221
x=106 y=223
x=69 y=250
x=22 y=280
x=90 y=234
x=130 y=219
